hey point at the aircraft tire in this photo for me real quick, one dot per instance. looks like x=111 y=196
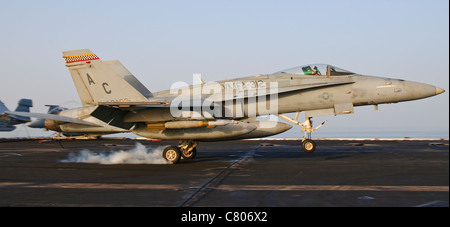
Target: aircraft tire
x=190 y=155
x=308 y=146
x=172 y=154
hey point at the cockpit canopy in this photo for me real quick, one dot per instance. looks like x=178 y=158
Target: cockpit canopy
x=317 y=70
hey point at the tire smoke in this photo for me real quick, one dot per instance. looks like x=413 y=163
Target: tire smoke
x=137 y=155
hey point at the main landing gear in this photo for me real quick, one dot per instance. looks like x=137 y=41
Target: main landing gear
x=186 y=149
x=308 y=145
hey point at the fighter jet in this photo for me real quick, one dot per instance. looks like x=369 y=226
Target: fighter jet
x=7 y=121
x=113 y=99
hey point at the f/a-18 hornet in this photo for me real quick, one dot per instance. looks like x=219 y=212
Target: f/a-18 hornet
x=115 y=101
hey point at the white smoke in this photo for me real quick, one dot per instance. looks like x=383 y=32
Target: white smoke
x=137 y=155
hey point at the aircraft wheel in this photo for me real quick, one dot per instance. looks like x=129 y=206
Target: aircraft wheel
x=308 y=146
x=172 y=154
x=189 y=155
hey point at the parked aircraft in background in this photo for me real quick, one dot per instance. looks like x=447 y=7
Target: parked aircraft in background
x=53 y=109
x=52 y=119
x=40 y=123
x=113 y=100
x=7 y=121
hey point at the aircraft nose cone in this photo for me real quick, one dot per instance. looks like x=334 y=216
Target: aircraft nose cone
x=415 y=90
x=439 y=90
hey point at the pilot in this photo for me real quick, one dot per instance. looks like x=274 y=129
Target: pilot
x=316 y=71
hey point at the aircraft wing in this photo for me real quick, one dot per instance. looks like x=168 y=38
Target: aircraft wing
x=311 y=86
x=52 y=117
x=166 y=101
x=280 y=90
x=148 y=103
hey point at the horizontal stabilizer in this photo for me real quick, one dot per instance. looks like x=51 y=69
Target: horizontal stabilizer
x=53 y=117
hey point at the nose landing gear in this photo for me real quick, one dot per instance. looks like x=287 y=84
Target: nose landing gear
x=308 y=145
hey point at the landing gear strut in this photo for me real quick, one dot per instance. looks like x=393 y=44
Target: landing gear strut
x=308 y=145
x=186 y=149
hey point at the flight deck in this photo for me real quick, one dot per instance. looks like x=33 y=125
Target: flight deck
x=245 y=173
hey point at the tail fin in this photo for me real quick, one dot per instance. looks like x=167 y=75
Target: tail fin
x=23 y=106
x=51 y=108
x=3 y=108
x=97 y=81
x=130 y=78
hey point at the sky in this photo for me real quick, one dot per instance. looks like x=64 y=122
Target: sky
x=162 y=42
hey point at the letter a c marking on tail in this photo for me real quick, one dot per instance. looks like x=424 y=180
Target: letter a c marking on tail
x=91 y=81
x=104 y=87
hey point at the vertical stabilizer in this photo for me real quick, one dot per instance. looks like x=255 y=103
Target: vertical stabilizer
x=96 y=81
x=23 y=106
x=130 y=78
x=3 y=108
